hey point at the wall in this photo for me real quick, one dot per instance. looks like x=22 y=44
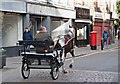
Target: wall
x=57 y=2
x=12 y=30
x=1 y=21
x=13 y=6
x=56 y=11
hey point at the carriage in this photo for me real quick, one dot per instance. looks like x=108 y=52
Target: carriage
x=44 y=60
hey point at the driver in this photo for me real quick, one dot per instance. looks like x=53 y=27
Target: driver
x=43 y=35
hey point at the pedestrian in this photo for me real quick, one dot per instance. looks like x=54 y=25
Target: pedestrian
x=119 y=34
x=27 y=35
x=105 y=38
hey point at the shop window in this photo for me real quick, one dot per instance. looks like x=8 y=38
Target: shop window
x=35 y=23
x=81 y=33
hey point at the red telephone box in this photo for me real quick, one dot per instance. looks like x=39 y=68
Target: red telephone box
x=93 y=40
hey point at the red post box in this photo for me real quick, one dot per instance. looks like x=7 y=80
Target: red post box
x=93 y=40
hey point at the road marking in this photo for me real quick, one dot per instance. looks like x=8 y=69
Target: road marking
x=93 y=53
x=95 y=71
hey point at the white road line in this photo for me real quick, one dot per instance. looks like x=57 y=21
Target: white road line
x=95 y=71
x=90 y=54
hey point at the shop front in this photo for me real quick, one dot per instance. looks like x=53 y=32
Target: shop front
x=36 y=22
x=82 y=26
x=11 y=32
x=113 y=17
x=18 y=15
x=107 y=26
x=98 y=26
x=58 y=25
x=12 y=29
x=57 y=22
x=12 y=25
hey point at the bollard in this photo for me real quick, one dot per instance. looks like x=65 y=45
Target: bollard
x=101 y=44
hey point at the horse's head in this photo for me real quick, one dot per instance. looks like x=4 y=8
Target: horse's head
x=69 y=42
x=64 y=41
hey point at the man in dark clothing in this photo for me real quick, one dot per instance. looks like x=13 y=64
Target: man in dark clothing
x=27 y=35
x=43 y=36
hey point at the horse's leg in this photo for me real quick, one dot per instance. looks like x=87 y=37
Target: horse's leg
x=72 y=53
x=39 y=61
x=63 y=60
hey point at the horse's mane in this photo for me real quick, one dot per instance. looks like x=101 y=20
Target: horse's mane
x=68 y=42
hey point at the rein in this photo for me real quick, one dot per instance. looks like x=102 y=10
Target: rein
x=59 y=38
x=68 y=42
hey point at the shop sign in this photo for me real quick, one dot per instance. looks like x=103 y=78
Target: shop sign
x=82 y=13
x=98 y=15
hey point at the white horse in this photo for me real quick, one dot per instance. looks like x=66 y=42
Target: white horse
x=66 y=43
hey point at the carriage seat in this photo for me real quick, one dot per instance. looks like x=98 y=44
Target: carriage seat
x=39 y=46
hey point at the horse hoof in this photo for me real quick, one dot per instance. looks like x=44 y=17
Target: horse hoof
x=64 y=72
x=39 y=63
x=70 y=65
x=61 y=63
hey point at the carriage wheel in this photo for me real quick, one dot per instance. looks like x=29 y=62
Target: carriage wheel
x=55 y=71
x=25 y=70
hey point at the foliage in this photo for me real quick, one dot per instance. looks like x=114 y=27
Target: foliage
x=118 y=12
x=118 y=6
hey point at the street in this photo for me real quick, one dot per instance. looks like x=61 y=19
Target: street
x=44 y=30
x=99 y=61
x=100 y=66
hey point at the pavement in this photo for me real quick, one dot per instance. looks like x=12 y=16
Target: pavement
x=81 y=51
x=13 y=66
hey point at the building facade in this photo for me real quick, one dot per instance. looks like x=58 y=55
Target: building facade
x=82 y=25
x=57 y=22
x=12 y=24
x=102 y=13
x=55 y=15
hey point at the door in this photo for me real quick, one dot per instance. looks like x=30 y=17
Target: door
x=99 y=34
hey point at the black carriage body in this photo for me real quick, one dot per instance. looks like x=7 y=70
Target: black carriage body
x=49 y=57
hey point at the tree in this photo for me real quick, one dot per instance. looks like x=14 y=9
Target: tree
x=118 y=12
x=118 y=6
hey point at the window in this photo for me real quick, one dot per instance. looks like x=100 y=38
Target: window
x=81 y=33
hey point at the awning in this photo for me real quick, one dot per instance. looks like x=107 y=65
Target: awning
x=84 y=21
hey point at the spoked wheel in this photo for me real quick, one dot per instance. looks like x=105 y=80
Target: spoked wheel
x=25 y=70
x=55 y=71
